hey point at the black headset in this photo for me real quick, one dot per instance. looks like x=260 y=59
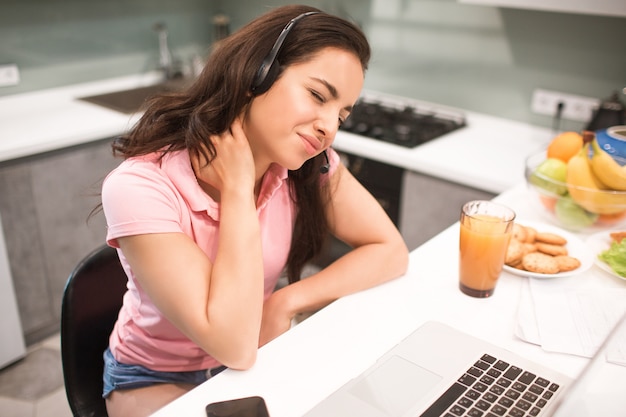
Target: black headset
x=268 y=70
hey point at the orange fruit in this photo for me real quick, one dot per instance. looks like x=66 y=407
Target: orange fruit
x=565 y=145
x=548 y=202
x=611 y=219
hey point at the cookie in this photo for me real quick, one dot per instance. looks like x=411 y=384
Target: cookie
x=551 y=238
x=514 y=252
x=518 y=232
x=550 y=249
x=567 y=263
x=540 y=263
x=543 y=252
x=531 y=234
x=529 y=247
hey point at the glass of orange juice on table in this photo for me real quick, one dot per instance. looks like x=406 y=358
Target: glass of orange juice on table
x=486 y=229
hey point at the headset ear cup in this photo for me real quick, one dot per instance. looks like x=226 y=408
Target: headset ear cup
x=265 y=76
x=263 y=84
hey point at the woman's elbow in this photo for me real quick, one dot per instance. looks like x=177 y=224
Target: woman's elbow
x=239 y=359
x=231 y=345
x=399 y=257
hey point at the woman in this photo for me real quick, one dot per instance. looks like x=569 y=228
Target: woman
x=228 y=184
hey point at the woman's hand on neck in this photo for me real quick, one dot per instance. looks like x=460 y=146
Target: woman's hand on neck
x=233 y=168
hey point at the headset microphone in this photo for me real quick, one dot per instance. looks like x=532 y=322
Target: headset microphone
x=326 y=167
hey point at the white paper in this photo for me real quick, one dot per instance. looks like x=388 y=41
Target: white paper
x=527 y=328
x=617 y=354
x=616 y=350
x=575 y=320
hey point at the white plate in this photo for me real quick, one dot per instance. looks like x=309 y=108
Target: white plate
x=575 y=247
x=599 y=242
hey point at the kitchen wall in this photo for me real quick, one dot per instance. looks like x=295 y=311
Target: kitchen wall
x=60 y=42
x=480 y=58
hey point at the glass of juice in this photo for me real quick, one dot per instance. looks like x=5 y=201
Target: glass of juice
x=485 y=233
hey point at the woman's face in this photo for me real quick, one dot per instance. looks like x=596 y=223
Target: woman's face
x=298 y=117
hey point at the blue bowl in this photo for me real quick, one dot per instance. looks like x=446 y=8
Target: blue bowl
x=613 y=141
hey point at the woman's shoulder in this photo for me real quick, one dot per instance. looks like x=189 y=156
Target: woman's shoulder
x=156 y=162
x=153 y=168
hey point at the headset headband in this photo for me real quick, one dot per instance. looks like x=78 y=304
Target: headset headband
x=268 y=71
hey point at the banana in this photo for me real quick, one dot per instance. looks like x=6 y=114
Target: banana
x=587 y=191
x=606 y=169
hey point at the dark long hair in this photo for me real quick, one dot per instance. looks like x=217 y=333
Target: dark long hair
x=185 y=120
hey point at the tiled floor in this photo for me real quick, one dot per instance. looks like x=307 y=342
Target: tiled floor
x=33 y=386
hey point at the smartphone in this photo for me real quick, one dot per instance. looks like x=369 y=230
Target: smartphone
x=239 y=407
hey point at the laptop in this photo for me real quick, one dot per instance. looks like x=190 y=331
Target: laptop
x=440 y=371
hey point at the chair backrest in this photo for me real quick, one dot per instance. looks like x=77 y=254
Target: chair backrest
x=91 y=301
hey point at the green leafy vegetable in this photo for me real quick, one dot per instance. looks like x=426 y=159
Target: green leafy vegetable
x=615 y=257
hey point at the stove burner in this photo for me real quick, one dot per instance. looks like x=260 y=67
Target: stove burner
x=402 y=125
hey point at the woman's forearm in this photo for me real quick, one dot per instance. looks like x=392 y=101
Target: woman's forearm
x=361 y=268
x=235 y=301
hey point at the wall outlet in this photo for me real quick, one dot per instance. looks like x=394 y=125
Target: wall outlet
x=9 y=75
x=575 y=107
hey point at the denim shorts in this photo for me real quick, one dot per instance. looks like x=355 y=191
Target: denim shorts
x=119 y=376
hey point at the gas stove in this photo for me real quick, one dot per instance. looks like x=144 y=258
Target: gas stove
x=401 y=121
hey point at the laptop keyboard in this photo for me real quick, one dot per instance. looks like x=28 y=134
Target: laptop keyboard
x=494 y=388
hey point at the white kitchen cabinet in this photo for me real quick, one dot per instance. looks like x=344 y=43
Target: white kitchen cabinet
x=592 y=7
x=45 y=204
x=12 y=346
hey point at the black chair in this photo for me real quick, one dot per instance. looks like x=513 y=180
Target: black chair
x=91 y=302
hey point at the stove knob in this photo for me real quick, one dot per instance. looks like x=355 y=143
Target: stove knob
x=403 y=132
x=361 y=128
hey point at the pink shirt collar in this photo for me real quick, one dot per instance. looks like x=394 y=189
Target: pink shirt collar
x=177 y=165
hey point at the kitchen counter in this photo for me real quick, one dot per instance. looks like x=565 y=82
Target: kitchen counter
x=55 y=118
x=487 y=154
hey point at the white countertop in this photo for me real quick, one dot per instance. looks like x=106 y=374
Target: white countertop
x=487 y=154
x=51 y=119
x=303 y=366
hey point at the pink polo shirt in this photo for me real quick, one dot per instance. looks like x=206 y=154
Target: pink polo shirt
x=145 y=195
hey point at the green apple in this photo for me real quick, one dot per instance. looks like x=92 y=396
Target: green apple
x=573 y=216
x=551 y=175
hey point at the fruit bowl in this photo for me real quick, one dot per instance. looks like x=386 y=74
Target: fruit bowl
x=573 y=207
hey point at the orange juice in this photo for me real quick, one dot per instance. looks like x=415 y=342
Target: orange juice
x=484 y=240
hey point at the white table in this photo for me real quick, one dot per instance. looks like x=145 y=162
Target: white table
x=300 y=368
